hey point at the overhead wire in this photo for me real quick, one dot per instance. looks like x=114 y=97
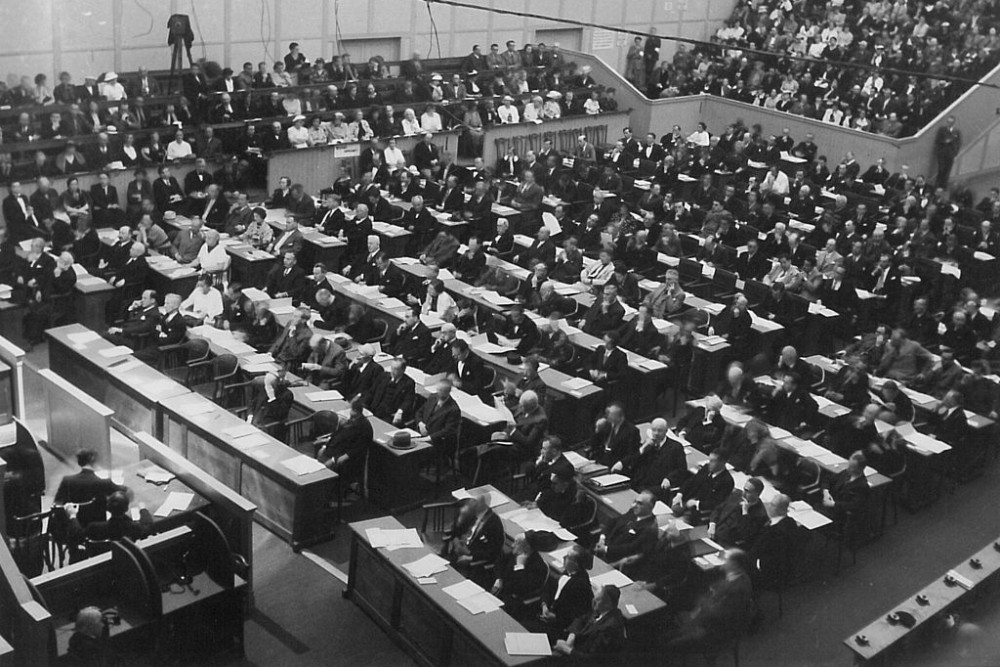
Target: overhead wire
x=839 y=64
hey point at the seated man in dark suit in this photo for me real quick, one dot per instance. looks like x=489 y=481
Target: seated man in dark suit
x=709 y=487
x=141 y=320
x=607 y=363
x=288 y=279
x=270 y=407
x=529 y=427
x=392 y=398
x=569 y=596
x=171 y=330
x=86 y=490
x=117 y=526
x=439 y=418
x=326 y=364
x=605 y=314
x=659 y=465
x=468 y=373
x=739 y=520
x=411 y=340
x=848 y=492
x=615 y=438
x=599 y=634
x=363 y=375
x=478 y=550
x=626 y=539
x=292 y=345
x=792 y=407
x=550 y=461
x=347 y=449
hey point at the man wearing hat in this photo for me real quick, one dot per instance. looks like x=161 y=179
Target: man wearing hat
x=90 y=90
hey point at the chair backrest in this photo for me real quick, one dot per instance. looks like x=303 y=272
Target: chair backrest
x=224 y=366
x=198 y=349
x=382 y=327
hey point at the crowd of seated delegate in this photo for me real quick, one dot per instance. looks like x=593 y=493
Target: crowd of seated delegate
x=614 y=242
x=340 y=103
x=838 y=49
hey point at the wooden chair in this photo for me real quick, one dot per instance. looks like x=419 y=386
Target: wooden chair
x=382 y=327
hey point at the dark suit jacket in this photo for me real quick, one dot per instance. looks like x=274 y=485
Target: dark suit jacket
x=83 y=487
x=614 y=365
x=707 y=489
x=628 y=535
x=650 y=468
x=596 y=322
x=486 y=542
x=610 y=447
x=353 y=438
x=292 y=345
x=472 y=377
x=574 y=601
x=733 y=527
x=413 y=345
x=292 y=284
x=752 y=268
x=99 y=203
x=162 y=192
x=172 y=330
x=773 y=551
x=362 y=382
x=12 y=213
x=442 y=420
x=598 y=637
x=389 y=397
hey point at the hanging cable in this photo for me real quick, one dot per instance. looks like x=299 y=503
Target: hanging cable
x=434 y=32
x=836 y=64
x=201 y=38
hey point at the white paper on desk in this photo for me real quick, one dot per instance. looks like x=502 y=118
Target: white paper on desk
x=259 y=369
x=462 y=590
x=577 y=460
x=576 y=383
x=239 y=431
x=481 y=603
x=810 y=519
x=611 y=578
x=427 y=566
x=250 y=441
x=492 y=348
x=652 y=364
x=950 y=270
x=303 y=465
x=828 y=458
x=497 y=299
x=92 y=280
x=431 y=320
x=262 y=358
x=329 y=395
x=669 y=260
x=961 y=580
x=712 y=543
x=527 y=643
x=255 y=294
x=116 y=351
x=176 y=501
x=391 y=303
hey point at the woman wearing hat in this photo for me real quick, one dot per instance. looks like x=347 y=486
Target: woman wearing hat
x=298 y=135
x=552 y=110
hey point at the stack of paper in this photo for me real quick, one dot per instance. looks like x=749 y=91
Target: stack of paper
x=303 y=465
x=576 y=384
x=128 y=365
x=116 y=351
x=158 y=476
x=239 y=431
x=176 y=501
x=494 y=499
x=262 y=358
x=577 y=460
x=473 y=598
x=427 y=566
x=329 y=395
x=610 y=480
x=250 y=441
x=611 y=578
x=393 y=539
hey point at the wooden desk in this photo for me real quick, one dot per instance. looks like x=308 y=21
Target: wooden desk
x=394 y=481
x=318 y=246
x=133 y=393
x=883 y=636
x=432 y=627
x=393 y=239
x=91 y=303
x=166 y=276
x=645 y=603
x=574 y=410
x=153 y=495
x=294 y=507
x=12 y=322
x=250 y=267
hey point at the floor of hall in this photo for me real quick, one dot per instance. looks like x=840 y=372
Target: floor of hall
x=301 y=618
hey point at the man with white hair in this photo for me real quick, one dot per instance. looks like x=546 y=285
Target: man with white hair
x=660 y=464
x=365 y=265
x=529 y=427
x=440 y=359
x=771 y=556
x=363 y=375
x=292 y=346
x=212 y=256
x=171 y=330
x=326 y=364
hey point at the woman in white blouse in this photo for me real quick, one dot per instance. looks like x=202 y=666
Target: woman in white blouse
x=394 y=158
x=508 y=112
x=339 y=131
x=410 y=123
x=360 y=130
x=592 y=106
x=298 y=135
x=430 y=120
x=438 y=302
x=533 y=110
x=317 y=133
x=700 y=137
x=552 y=110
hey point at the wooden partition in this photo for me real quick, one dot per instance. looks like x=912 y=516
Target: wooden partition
x=237 y=511
x=14 y=356
x=318 y=167
x=600 y=129
x=24 y=622
x=74 y=420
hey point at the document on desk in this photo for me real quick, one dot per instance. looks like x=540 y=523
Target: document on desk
x=661 y=509
x=114 y=352
x=810 y=519
x=575 y=384
x=250 y=441
x=176 y=501
x=494 y=499
x=651 y=365
x=578 y=461
x=497 y=299
x=328 y=395
x=303 y=465
x=427 y=566
x=610 y=480
x=462 y=590
x=527 y=643
x=611 y=578
x=491 y=348
x=158 y=476
x=481 y=603
x=239 y=431
x=393 y=539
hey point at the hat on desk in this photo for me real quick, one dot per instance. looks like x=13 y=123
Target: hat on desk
x=401 y=440
x=553 y=95
x=170 y=215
